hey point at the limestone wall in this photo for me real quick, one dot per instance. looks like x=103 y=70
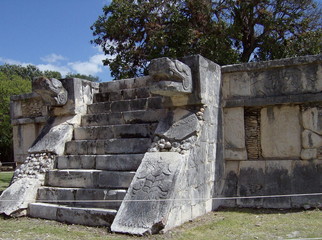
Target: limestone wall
x=28 y=117
x=273 y=131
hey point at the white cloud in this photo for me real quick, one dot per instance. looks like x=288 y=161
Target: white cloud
x=51 y=67
x=91 y=67
x=13 y=62
x=52 y=58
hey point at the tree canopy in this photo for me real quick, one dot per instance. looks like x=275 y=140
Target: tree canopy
x=132 y=32
x=83 y=76
x=14 y=80
x=13 y=85
x=28 y=72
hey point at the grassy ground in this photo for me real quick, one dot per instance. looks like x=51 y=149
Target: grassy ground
x=222 y=224
x=5 y=178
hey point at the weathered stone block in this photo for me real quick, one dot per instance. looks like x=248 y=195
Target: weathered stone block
x=155 y=103
x=56 y=195
x=231 y=182
x=273 y=78
x=311 y=139
x=278 y=175
x=178 y=128
x=142 y=92
x=141 y=81
x=53 y=139
x=101 y=107
x=307 y=178
x=120 y=162
x=240 y=84
x=281 y=132
x=311 y=120
x=42 y=210
x=102 y=119
x=82 y=197
x=89 y=217
x=251 y=182
x=309 y=154
x=126 y=83
x=15 y=199
x=73 y=178
x=142 y=116
x=76 y=162
x=235 y=154
x=101 y=198
x=110 y=146
x=110 y=179
x=234 y=127
x=109 y=86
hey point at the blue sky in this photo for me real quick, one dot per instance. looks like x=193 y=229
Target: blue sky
x=52 y=34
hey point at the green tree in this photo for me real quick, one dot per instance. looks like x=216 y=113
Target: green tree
x=270 y=29
x=28 y=72
x=8 y=87
x=14 y=80
x=52 y=74
x=132 y=32
x=83 y=76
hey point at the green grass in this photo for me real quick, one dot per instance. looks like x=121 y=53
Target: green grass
x=5 y=178
x=223 y=224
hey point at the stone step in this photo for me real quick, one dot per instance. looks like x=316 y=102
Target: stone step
x=74 y=215
x=140 y=116
x=114 y=131
x=122 y=94
x=108 y=146
x=130 y=83
x=119 y=162
x=82 y=197
x=76 y=178
x=125 y=105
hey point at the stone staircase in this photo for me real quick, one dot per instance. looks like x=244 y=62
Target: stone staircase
x=91 y=179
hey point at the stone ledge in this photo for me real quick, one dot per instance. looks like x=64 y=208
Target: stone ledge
x=22 y=121
x=286 y=62
x=265 y=101
x=24 y=96
x=269 y=159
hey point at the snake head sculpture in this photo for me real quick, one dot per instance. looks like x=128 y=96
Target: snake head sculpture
x=170 y=77
x=50 y=90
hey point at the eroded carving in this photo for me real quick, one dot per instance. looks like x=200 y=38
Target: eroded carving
x=154 y=182
x=177 y=132
x=51 y=91
x=171 y=77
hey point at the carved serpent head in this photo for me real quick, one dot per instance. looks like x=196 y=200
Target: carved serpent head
x=170 y=77
x=51 y=91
